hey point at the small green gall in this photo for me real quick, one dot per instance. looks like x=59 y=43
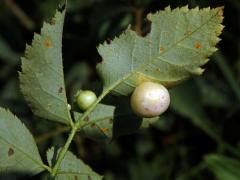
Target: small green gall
x=150 y=99
x=85 y=99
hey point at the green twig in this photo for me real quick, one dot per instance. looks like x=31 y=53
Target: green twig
x=63 y=151
x=47 y=168
x=78 y=125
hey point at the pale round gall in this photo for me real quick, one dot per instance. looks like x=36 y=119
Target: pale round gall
x=150 y=99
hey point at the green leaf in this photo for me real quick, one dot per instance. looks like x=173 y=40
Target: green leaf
x=71 y=167
x=18 y=151
x=106 y=122
x=179 y=43
x=100 y=123
x=42 y=80
x=224 y=168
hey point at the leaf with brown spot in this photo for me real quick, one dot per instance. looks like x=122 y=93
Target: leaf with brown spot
x=17 y=144
x=60 y=90
x=170 y=45
x=71 y=167
x=42 y=78
x=100 y=123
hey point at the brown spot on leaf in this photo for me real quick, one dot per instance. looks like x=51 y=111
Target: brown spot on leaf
x=93 y=125
x=197 y=45
x=158 y=69
x=75 y=178
x=162 y=49
x=89 y=178
x=10 y=152
x=60 y=90
x=48 y=43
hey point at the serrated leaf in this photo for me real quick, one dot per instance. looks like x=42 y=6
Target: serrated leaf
x=42 y=80
x=18 y=151
x=224 y=168
x=71 y=167
x=178 y=45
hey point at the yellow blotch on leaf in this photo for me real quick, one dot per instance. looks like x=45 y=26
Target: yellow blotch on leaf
x=197 y=45
x=48 y=43
x=104 y=129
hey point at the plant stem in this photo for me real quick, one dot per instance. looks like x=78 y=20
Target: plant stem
x=63 y=151
x=78 y=125
x=47 y=168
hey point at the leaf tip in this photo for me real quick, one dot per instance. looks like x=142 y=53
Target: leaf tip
x=184 y=8
x=168 y=8
x=198 y=71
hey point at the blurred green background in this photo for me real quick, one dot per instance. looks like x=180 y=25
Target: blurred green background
x=204 y=114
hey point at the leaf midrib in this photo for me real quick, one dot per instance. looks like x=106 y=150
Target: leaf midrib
x=138 y=69
x=180 y=40
x=150 y=61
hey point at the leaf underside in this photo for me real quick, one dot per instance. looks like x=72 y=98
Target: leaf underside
x=71 y=167
x=180 y=42
x=101 y=124
x=18 y=151
x=106 y=123
x=42 y=79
